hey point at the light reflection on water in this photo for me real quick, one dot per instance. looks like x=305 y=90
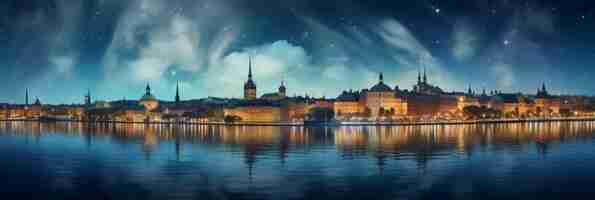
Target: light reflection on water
x=74 y=160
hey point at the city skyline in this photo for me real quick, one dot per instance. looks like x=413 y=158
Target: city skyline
x=297 y=99
x=88 y=99
x=60 y=50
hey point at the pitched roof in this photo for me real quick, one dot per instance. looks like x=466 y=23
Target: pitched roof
x=348 y=96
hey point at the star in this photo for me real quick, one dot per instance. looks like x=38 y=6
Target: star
x=506 y=42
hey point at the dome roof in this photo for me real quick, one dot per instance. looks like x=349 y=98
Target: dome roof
x=380 y=87
x=148 y=96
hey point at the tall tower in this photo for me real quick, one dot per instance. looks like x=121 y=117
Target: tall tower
x=425 y=77
x=177 y=92
x=249 y=86
x=418 y=76
x=148 y=90
x=27 y=96
x=420 y=64
x=282 y=90
x=381 y=77
x=542 y=92
x=88 y=98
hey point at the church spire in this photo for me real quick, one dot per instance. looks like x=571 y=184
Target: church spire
x=420 y=64
x=148 y=89
x=178 y=92
x=381 y=78
x=425 y=77
x=250 y=67
x=418 y=76
x=27 y=96
x=88 y=98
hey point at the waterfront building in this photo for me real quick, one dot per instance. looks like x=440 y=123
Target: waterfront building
x=276 y=96
x=426 y=105
x=257 y=111
x=348 y=104
x=546 y=104
x=570 y=105
x=485 y=99
x=429 y=100
x=425 y=88
x=467 y=100
x=513 y=104
x=34 y=111
x=382 y=99
x=449 y=104
x=419 y=104
x=148 y=100
x=294 y=109
x=64 y=112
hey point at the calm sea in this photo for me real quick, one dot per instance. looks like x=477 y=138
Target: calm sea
x=498 y=161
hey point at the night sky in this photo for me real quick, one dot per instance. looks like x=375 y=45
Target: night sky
x=61 y=48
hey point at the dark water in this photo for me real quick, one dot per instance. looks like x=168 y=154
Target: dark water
x=504 y=161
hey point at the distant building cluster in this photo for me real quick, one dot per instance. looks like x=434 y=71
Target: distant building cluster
x=380 y=102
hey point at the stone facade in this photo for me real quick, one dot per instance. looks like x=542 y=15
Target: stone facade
x=259 y=114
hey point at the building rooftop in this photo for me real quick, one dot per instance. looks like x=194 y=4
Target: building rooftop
x=348 y=96
x=380 y=86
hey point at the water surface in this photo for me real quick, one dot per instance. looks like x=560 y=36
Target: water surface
x=552 y=160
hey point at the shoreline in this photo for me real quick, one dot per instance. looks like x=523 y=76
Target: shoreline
x=332 y=124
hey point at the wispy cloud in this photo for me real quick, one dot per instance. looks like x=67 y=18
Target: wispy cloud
x=465 y=41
